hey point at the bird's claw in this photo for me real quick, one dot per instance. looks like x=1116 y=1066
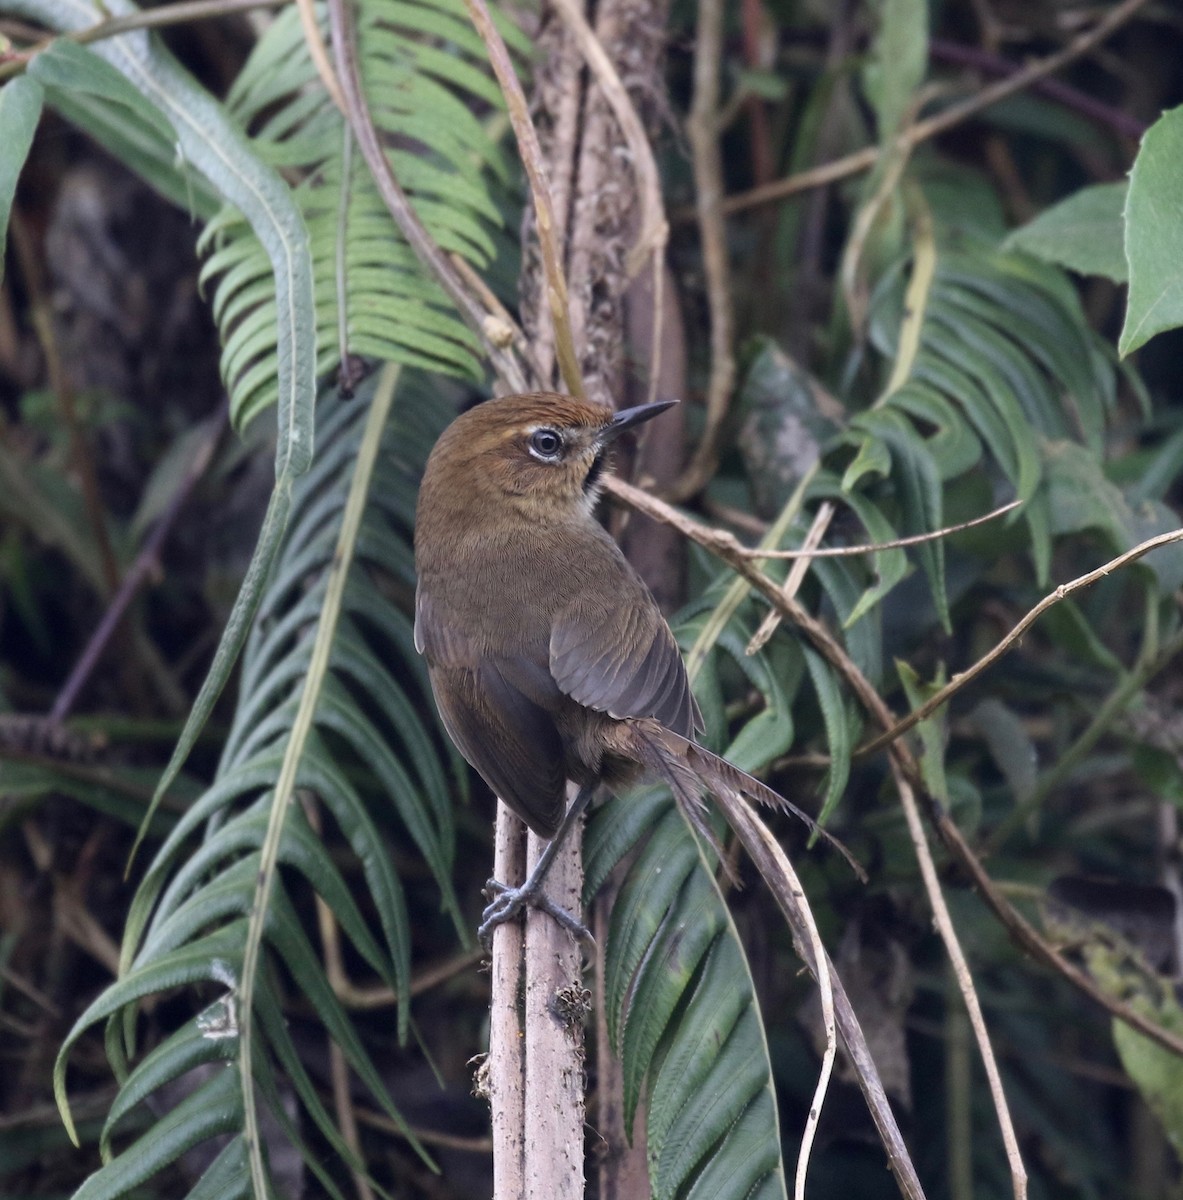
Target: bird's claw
x=507 y=903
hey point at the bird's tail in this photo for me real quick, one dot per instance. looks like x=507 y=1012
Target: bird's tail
x=689 y=768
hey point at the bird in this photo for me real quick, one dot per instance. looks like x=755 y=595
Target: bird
x=547 y=655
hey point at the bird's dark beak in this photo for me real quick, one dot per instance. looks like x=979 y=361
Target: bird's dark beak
x=628 y=417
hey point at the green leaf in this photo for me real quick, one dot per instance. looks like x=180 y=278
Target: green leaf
x=715 y=1006
x=899 y=59
x=1153 y=1069
x=736 y=1073
x=212 y=1109
x=654 y=880
x=680 y=1002
x=228 y=1177
x=1084 y=233
x=1154 y=234
x=932 y=729
x=840 y=735
x=210 y=1036
x=214 y=957
x=873 y=458
x=1081 y=497
x=1010 y=746
x=750 y=1154
x=20 y=111
x=919 y=487
x=65 y=66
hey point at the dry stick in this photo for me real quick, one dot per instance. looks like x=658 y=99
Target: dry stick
x=987 y=660
x=429 y=1137
x=862 y=160
x=1122 y=123
x=334 y=964
x=429 y=254
x=785 y=604
x=702 y=130
x=554 y=1013
x=531 y=155
x=728 y=546
x=1015 y=923
x=500 y=326
x=774 y=868
x=364 y=998
x=318 y=52
x=504 y=1072
x=961 y=972
x=146 y=562
x=914 y=539
x=796 y=576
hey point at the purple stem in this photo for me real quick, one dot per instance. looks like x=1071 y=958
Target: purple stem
x=991 y=64
x=145 y=561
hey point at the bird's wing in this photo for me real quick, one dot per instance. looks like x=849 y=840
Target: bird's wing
x=621 y=658
x=486 y=709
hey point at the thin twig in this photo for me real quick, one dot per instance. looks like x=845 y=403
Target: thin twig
x=962 y=974
x=964 y=678
x=364 y=998
x=146 y=562
x=915 y=539
x=1066 y=763
x=429 y=1137
x=404 y=216
x=334 y=963
x=796 y=576
x=702 y=130
x=1124 y=124
x=319 y=53
x=531 y=155
x=500 y=327
x=862 y=160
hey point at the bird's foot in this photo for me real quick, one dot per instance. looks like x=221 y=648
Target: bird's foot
x=508 y=902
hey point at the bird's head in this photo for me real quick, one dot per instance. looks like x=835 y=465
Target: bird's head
x=542 y=452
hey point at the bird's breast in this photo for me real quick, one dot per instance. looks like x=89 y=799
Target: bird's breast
x=503 y=588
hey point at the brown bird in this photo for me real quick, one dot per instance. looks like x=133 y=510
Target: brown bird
x=548 y=656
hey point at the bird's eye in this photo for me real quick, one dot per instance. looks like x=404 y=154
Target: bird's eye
x=545 y=443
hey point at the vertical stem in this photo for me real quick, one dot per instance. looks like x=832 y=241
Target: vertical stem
x=506 y=1075
x=554 y=1035
x=702 y=129
x=958 y=1095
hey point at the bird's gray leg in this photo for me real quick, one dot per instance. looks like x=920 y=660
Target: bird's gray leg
x=510 y=901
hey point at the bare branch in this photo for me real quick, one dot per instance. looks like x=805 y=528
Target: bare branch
x=756 y=552
x=961 y=972
x=962 y=680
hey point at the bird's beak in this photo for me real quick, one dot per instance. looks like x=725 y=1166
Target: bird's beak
x=628 y=417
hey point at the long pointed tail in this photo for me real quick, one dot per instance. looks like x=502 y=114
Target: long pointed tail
x=688 y=768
